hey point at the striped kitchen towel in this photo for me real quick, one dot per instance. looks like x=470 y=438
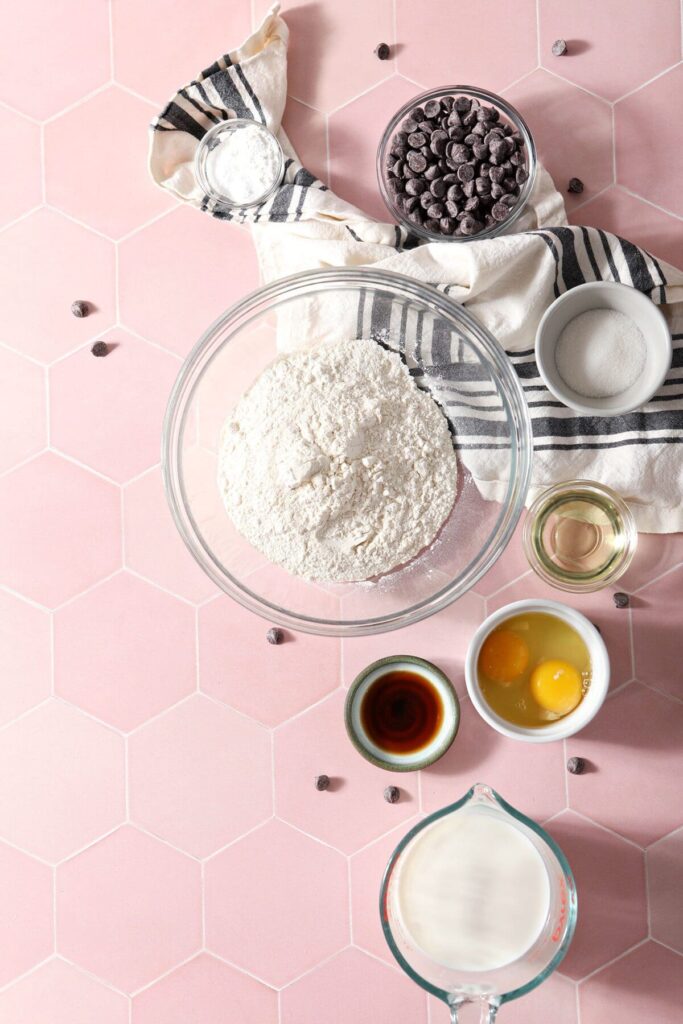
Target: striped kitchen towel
x=506 y=283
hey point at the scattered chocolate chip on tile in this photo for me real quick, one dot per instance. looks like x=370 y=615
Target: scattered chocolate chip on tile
x=100 y=348
x=392 y=794
x=621 y=600
x=80 y=308
x=575 y=185
x=322 y=782
x=383 y=51
x=275 y=635
x=576 y=765
x=560 y=48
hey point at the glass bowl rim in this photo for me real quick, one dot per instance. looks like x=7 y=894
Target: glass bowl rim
x=474 y=793
x=297 y=286
x=493 y=99
x=232 y=124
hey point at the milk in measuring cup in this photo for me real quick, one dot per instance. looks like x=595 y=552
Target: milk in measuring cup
x=473 y=892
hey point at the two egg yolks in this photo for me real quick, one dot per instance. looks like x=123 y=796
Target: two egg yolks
x=555 y=685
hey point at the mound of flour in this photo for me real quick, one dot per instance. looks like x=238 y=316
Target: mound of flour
x=335 y=465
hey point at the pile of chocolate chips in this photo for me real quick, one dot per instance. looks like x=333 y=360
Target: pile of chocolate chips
x=454 y=168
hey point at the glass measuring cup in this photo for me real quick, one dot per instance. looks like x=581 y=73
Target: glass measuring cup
x=480 y=993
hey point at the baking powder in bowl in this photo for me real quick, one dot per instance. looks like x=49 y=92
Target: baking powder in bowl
x=600 y=353
x=335 y=465
x=244 y=164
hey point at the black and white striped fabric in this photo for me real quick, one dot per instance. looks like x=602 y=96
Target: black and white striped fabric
x=506 y=283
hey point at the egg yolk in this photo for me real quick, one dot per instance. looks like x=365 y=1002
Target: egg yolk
x=503 y=656
x=556 y=686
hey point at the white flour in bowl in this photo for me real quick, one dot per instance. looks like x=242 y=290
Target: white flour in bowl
x=335 y=465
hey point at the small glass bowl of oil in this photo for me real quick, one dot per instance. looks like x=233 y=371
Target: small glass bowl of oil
x=579 y=536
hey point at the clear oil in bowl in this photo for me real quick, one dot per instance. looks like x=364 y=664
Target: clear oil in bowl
x=579 y=536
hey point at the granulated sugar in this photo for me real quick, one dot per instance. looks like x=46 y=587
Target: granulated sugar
x=600 y=353
x=335 y=465
x=244 y=165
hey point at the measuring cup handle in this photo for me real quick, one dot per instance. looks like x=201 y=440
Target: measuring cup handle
x=473 y=1011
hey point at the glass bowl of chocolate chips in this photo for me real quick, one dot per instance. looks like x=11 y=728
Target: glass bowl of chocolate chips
x=456 y=164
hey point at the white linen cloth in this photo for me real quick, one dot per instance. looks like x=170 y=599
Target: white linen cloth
x=506 y=283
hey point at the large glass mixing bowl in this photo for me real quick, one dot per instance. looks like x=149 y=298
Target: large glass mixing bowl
x=448 y=352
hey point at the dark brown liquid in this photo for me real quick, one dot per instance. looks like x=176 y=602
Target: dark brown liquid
x=401 y=712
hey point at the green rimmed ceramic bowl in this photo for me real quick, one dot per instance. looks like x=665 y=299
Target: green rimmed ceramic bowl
x=432 y=750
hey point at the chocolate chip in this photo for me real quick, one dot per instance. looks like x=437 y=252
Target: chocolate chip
x=497 y=174
x=482 y=186
x=509 y=200
x=322 y=782
x=400 y=139
x=432 y=225
x=462 y=104
x=494 y=114
x=411 y=203
x=100 y=348
x=576 y=765
x=575 y=185
x=469 y=225
x=470 y=139
x=392 y=794
x=452 y=208
x=425 y=126
x=432 y=108
x=415 y=186
x=621 y=600
x=496 y=191
x=426 y=199
x=432 y=172
x=480 y=150
x=80 y=308
x=275 y=635
x=438 y=188
x=417 y=139
x=521 y=175
x=473 y=204
x=416 y=161
x=416 y=216
x=383 y=51
x=470 y=118
x=465 y=172
x=409 y=126
x=468 y=188
x=559 y=48
x=417 y=114
x=394 y=186
x=500 y=212
x=435 y=211
x=447 y=225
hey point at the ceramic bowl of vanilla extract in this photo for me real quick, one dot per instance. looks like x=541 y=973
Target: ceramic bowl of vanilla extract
x=402 y=713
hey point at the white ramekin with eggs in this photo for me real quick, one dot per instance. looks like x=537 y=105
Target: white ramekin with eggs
x=537 y=671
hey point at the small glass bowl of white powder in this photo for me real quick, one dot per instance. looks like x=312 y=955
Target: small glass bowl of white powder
x=239 y=163
x=603 y=348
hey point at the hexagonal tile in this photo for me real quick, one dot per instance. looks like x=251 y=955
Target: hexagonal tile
x=625 y=215
x=530 y=776
x=353 y=811
x=125 y=651
x=22 y=189
x=665 y=889
x=475 y=55
x=353 y=987
x=331 y=50
x=656 y=634
x=303 y=912
x=292 y=675
x=612 y=622
x=656 y=554
x=646 y=985
x=605 y=868
x=129 y=388
x=25 y=656
x=186 y=46
x=26 y=923
x=66 y=262
x=128 y=908
x=205 y=989
x=187 y=776
x=116 y=125
x=644 y=111
x=606 y=52
x=63 y=542
x=61 y=781
x=306 y=129
x=153 y=546
x=554 y=1000
x=509 y=567
x=442 y=639
x=69 y=55
x=171 y=298
x=634 y=744
x=62 y=994
x=549 y=105
x=22 y=408
x=353 y=150
x=367 y=870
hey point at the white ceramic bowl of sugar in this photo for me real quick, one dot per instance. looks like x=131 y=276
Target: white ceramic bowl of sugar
x=610 y=296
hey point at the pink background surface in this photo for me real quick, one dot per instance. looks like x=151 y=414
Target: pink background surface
x=164 y=856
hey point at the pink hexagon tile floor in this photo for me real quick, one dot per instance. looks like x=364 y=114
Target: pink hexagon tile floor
x=165 y=857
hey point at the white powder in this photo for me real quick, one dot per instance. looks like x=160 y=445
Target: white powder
x=244 y=164
x=335 y=465
x=600 y=353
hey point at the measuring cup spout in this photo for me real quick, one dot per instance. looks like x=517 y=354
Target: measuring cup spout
x=473 y=1011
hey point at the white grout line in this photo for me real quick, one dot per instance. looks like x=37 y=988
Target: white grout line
x=27 y=974
x=656 y=579
x=79 y=102
x=19 y=113
x=644 y=85
x=649 y=202
x=606 y=828
x=13 y=223
x=149 y=984
x=614 y=960
x=581 y=88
